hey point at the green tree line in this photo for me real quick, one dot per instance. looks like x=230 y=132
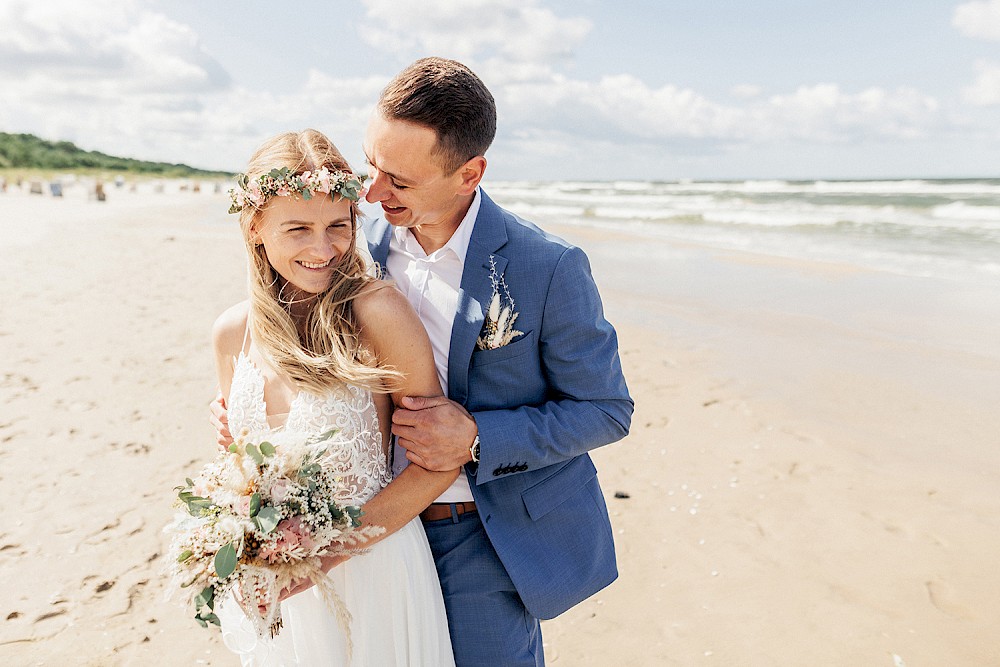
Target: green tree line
x=26 y=151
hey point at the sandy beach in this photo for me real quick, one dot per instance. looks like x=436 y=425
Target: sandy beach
x=811 y=476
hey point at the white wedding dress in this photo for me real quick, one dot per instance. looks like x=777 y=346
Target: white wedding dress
x=392 y=592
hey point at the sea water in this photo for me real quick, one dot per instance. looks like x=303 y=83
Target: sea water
x=932 y=228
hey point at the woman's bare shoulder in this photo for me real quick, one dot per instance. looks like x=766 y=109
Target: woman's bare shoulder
x=380 y=303
x=230 y=328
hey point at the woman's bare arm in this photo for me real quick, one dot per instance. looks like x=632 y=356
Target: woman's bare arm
x=227 y=340
x=392 y=330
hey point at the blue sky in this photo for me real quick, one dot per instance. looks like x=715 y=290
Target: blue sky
x=585 y=89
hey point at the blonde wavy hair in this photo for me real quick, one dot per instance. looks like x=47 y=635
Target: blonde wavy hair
x=329 y=347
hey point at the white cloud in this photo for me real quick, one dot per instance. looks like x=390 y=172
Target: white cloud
x=517 y=46
x=823 y=113
x=745 y=91
x=625 y=108
x=120 y=78
x=979 y=19
x=985 y=90
x=125 y=79
x=114 y=42
x=518 y=31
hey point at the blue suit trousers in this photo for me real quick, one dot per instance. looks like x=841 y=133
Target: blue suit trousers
x=488 y=622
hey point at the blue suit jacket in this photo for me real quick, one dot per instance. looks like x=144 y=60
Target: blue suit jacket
x=541 y=403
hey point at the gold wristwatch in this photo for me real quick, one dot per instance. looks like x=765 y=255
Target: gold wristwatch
x=474 y=450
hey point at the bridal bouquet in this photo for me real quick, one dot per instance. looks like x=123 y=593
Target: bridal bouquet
x=257 y=518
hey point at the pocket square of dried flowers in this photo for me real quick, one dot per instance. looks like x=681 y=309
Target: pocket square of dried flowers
x=498 y=328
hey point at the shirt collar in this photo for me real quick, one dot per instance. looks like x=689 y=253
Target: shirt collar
x=458 y=244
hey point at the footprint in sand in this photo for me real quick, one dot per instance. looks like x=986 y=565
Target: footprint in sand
x=944 y=598
x=50 y=614
x=135 y=448
x=22 y=385
x=13 y=434
x=12 y=551
x=50 y=623
x=122 y=602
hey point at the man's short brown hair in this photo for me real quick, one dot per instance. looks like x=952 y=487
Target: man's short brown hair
x=449 y=98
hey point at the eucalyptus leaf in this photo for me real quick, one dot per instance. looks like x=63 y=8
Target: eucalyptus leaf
x=189 y=481
x=254 y=504
x=225 y=561
x=184 y=556
x=233 y=448
x=267 y=449
x=195 y=504
x=206 y=596
x=267 y=519
x=255 y=453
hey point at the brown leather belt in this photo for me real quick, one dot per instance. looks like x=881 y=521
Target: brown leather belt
x=438 y=511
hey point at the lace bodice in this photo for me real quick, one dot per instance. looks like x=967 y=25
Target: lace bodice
x=357 y=447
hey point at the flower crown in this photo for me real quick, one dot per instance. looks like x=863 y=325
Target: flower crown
x=286 y=183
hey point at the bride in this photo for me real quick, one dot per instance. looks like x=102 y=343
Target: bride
x=325 y=343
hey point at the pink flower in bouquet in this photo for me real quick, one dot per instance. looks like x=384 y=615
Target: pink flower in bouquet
x=279 y=492
x=294 y=534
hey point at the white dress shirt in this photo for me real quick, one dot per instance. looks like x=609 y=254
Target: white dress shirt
x=431 y=283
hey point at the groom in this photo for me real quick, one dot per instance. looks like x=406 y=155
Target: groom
x=528 y=363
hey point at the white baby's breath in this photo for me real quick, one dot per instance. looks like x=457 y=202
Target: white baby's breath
x=261 y=516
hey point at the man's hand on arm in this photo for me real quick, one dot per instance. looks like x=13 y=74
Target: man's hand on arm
x=437 y=433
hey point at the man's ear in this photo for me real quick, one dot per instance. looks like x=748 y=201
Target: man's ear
x=472 y=173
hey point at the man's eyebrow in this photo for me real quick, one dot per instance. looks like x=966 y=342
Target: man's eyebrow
x=401 y=179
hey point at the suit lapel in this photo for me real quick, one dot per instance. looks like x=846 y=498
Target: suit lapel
x=377 y=234
x=488 y=235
